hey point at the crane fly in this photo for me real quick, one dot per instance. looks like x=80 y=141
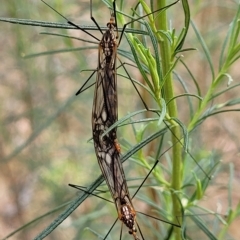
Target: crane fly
x=104 y=115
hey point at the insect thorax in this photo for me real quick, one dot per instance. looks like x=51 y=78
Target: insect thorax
x=108 y=45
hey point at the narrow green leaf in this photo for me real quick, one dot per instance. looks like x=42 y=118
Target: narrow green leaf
x=223 y=49
x=203 y=227
x=205 y=49
x=163 y=111
x=185 y=133
x=125 y=118
x=185 y=30
x=192 y=77
x=139 y=64
x=63 y=25
x=155 y=48
x=58 y=51
x=67 y=36
x=224 y=91
x=234 y=31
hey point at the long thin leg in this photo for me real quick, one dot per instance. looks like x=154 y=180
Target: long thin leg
x=81 y=89
x=110 y=229
x=73 y=24
x=93 y=19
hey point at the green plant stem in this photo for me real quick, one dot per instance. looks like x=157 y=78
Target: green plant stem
x=166 y=54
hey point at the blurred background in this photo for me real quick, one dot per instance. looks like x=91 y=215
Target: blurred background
x=45 y=128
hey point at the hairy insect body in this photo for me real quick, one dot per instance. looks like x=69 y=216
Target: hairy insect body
x=127 y=215
x=104 y=115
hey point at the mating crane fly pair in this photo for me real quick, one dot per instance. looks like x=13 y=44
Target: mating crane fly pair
x=105 y=114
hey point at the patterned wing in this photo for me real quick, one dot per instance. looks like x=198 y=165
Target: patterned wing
x=103 y=116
